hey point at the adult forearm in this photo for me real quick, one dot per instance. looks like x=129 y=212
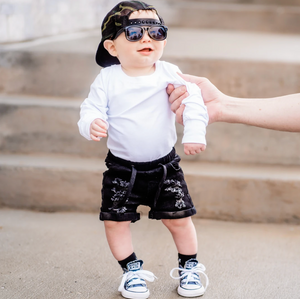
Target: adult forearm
x=280 y=113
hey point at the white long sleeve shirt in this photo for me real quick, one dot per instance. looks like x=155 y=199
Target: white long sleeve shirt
x=141 y=125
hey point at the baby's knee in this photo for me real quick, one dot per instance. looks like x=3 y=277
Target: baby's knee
x=116 y=224
x=174 y=224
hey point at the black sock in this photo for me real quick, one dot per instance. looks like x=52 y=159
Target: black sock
x=124 y=262
x=182 y=258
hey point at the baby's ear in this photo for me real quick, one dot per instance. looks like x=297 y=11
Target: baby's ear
x=109 y=45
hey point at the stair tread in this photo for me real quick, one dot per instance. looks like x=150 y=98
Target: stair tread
x=214 y=169
x=235 y=45
x=34 y=100
x=52 y=161
x=65 y=162
x=202 y=44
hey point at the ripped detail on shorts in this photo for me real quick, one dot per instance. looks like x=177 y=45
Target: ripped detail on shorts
x=119 y=195
x=120 y=190
x=175 y=187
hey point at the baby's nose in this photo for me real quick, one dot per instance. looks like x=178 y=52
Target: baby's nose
x=146 y=36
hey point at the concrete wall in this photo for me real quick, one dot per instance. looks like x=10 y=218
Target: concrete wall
x=22 y=20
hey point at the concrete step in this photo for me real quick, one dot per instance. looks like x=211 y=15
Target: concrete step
x=31 y=124
x=237 y=15
x=235 y=143
x=219 y=191
x=239 y=63
x=54 y=66
x=44 y=125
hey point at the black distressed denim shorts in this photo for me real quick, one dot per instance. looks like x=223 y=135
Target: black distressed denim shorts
x=158 y=184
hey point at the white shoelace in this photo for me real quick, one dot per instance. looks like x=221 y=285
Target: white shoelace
x=139 y=275
x=187 y=274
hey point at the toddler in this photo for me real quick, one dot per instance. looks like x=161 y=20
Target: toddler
x=128 y=102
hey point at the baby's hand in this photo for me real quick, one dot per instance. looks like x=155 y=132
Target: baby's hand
x=98 y=129
x=194 y=148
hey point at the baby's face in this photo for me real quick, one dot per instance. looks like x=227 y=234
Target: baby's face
x=140 y=54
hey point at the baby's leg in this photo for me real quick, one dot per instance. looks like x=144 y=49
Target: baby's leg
x=185 y=238
x=133 y=283
x=119 y=238
x=184 y=234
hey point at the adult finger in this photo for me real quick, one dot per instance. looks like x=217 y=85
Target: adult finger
x=170 y=88
x=179 y=114
x=177 y=94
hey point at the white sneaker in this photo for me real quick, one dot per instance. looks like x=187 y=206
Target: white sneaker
x=133 y=283
x=190 y=283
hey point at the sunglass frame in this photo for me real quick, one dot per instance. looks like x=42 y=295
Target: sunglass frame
x=143 y=30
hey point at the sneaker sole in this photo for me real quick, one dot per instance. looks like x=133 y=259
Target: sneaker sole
x=190 y=293
x=131 y=295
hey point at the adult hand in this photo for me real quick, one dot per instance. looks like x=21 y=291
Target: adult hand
x=211 y=95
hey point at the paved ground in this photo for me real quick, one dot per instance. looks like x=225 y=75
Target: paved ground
x=65 y=255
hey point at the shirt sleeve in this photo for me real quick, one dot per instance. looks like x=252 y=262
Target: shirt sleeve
x=195 y=116
x=94 y=106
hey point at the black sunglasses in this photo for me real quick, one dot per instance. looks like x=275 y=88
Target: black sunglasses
x=136 y=33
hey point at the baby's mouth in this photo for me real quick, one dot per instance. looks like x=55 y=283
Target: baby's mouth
x=145 y=50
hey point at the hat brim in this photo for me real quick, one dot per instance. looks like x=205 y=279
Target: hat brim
x=103 y=58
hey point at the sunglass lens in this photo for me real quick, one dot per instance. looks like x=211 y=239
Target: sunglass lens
x=134 y=33
x=158 y=33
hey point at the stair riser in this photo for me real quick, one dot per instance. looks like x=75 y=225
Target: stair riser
x=281 y=19
x=245 y=144
x=219 y=198
x=50 y=73
x=37 y=129
x=70 y=75
x=40 y=129
x=50 y=190
x=242 y=199
x=248 y=79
